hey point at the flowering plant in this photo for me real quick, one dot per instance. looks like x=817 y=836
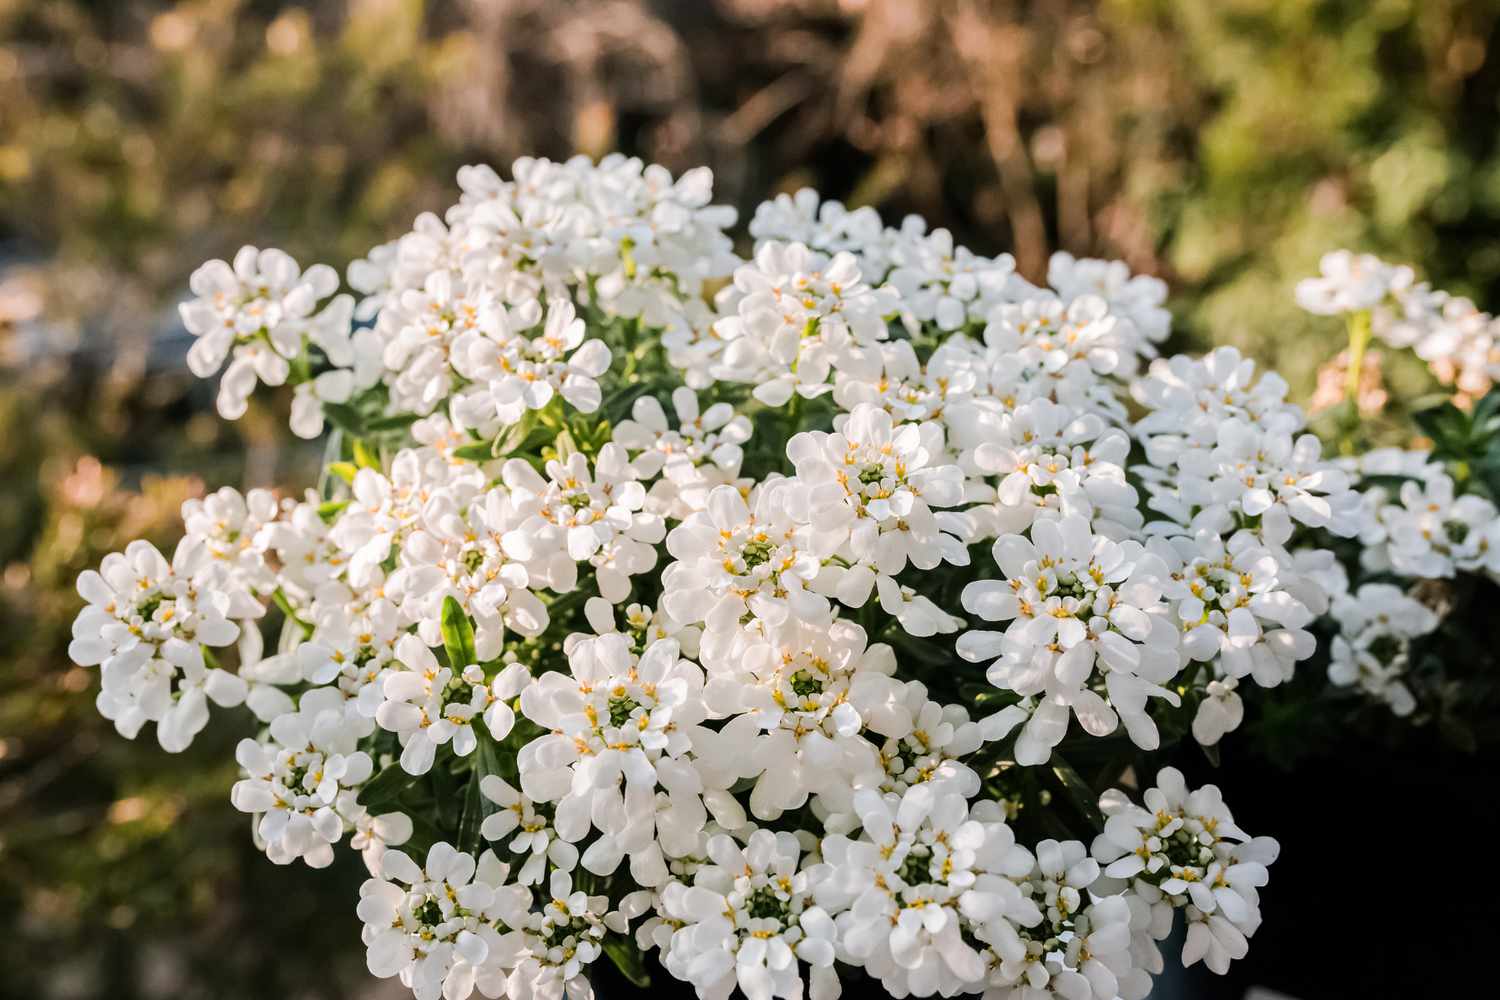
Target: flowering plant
x=763 y=613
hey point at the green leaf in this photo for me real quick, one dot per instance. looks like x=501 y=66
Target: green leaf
x=384 y=425
x=628 y=959
x=1079 y=791
x=364 y=457
x=344 y=470
x=485 y=761
x=1486 y=416
x=330 y=509
x=514 y=436
x=469 y=839
x=386 y=787
x=278 y=597
x=458 y=635
x=1448 y=426
x=346 y=418
x=477 y=452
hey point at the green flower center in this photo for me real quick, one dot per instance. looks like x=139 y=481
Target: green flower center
x=756 y=553
x=620 y=710
x=764 y=904
x=804 y=684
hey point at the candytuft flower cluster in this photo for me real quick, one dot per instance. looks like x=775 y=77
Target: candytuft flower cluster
x=745 y=611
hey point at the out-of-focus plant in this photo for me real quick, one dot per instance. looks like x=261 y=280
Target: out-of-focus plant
x=1223 y=145
x=123 y=876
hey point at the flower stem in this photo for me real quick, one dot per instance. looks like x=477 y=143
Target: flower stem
x=1359 y=339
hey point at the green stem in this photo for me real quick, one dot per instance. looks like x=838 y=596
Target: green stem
x=1359 y=339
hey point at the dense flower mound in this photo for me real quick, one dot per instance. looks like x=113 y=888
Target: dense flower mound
x=747 y=610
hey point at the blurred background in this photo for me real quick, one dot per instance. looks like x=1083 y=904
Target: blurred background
x=1220 y=144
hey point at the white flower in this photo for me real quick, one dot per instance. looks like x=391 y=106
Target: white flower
x=799 y=698
x=1083 y=612
x=434 y=926
x=374 y=835
x=512 y=373
x=335 y=386
x=1349 y=283
x=594 y=515
x=932 y=745
x=1429 y=532
x=386 y=507
x=146 y=626
x=1044 y=347
x=618 y=728
x=1221 y=711
x=433 y=330
x=554 y=940
x=736 y=559
x=1189 y=397
x=428 y=705
x=797 y=317
x=913 y=890
x=1238 y=605
x=1079 y=946
x=308 y=557
x=531 y=824
x=297 y=779
x=1138 y=298
x=1182 y=850
x=701 y=452
x=461 y=553
x=1376 y=625
x=876 y=483
x=944 y=284
x=232 y=529
x=260 y=310
x=911 y=390
x=824 y=225
x=749 y=920
x=1046 y=460
x=1250 y=476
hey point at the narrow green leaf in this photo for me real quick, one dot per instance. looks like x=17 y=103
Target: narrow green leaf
x=1486 y=417
x=628 y=959
x=346 y=418
x=278 y=597
x=386 y=786
x=344 y=470
x=513 y=436
x=364 y=457
x=477 y=452
x=485 y=761
x=458 y=635
x=1079 y=791
x=330 y=509
x=469 y=840
x=384 y=425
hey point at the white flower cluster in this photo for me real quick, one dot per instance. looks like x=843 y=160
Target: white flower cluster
x=1424 y=528
x=1181 y=850
x=1460 y=343
x=1423 y=519
x=533 y=610
x=1377 y=623
x=260 y=314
